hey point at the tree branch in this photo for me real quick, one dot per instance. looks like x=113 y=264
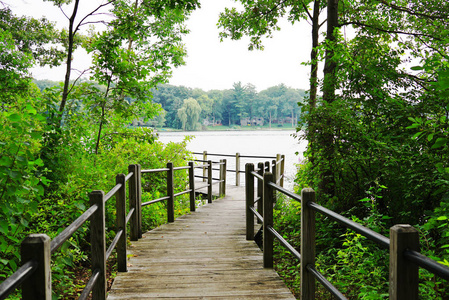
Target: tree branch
x=94 y=22
x=434 y=49
x=306 y=10
x=387 y=30
x=414 y=13
x=91 y=14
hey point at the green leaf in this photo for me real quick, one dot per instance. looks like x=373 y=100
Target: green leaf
x=416 y=135
x=13 y=265
x=414 y=125
x=442 y=218
x=4 y=227
x=417 y=68
x=31 y=109
x=5 y=161
x=440 y=142
x=14 y=117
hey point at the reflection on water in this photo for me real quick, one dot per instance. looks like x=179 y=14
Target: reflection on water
x=260 y=143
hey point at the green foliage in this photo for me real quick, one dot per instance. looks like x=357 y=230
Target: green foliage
x=189 y=114
x=287 y=218
x=352 y=263
x=21 y=183
x=277 y=104
x=32 y=37
x=259 y=19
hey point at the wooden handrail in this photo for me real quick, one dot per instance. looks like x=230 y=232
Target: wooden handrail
x=405 y=259
x=34 y=275
x=278 y=163
x=36 y=272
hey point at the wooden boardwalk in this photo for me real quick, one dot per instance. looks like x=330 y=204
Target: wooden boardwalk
x=202 y=255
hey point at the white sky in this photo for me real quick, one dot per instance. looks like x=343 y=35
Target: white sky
x=210 y=64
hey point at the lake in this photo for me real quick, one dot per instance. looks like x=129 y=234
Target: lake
x=260 y=143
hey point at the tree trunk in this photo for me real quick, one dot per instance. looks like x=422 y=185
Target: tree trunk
x=314 y=56
x=311 y=131
x=330 y=64
x=326 y=136
x=65 y=92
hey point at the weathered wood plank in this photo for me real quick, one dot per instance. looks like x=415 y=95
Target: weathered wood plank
x=202 y=255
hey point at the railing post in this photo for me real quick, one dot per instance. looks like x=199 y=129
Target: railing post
x=38 y=285
x=120 y=222
x=139 y=199
x=220 y=177
x=224 y=177
x=274 y=172
x=260 y=166
x=404 y=275
x=170 y=194
x=268 y=238
x=209 y=181
x=278 y=166
x=98 y=244
x=134 y=221
x=204 y=168
x=237 y=169
x=249 y=189
x=282 y=170
x=267 y=166
x=192 y=185
x=307 y=244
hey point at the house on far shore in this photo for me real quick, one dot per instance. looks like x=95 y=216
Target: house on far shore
x=206 y=122
x=252 y=122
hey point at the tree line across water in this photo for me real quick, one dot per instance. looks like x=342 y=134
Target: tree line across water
x=195 y=109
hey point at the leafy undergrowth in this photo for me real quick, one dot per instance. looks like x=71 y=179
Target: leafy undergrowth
x=354 y=265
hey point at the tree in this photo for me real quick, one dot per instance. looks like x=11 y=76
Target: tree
x=217 y=107
x=25 y=42
x=240 y=100
x=124 y=13
x=260 y=19
x=229 y=108
x=206 y=105
x=152 y=47
x=189 y=114
x=171 y=99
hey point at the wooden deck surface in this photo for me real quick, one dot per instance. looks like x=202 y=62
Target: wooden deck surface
x=202 y=255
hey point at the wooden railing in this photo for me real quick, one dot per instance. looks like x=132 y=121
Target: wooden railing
x=403 y=243
x=278 y=160
x=35 y=273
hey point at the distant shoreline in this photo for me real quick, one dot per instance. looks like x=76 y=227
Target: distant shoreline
x=228 y=129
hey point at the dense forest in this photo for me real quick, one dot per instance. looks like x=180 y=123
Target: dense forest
x=376 y=118
x=194 y=109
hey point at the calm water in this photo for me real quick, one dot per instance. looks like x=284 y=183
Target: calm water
x=260 y=143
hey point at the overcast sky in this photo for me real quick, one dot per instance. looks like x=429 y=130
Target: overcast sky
x=211 y=64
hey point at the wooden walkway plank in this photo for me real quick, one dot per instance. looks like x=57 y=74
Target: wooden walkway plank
x=202 y=255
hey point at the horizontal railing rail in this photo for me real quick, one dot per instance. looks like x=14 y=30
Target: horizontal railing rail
x=231 y=155
x=379 y=239
x=35 y=273
x=278 y=161
x=403 y=243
